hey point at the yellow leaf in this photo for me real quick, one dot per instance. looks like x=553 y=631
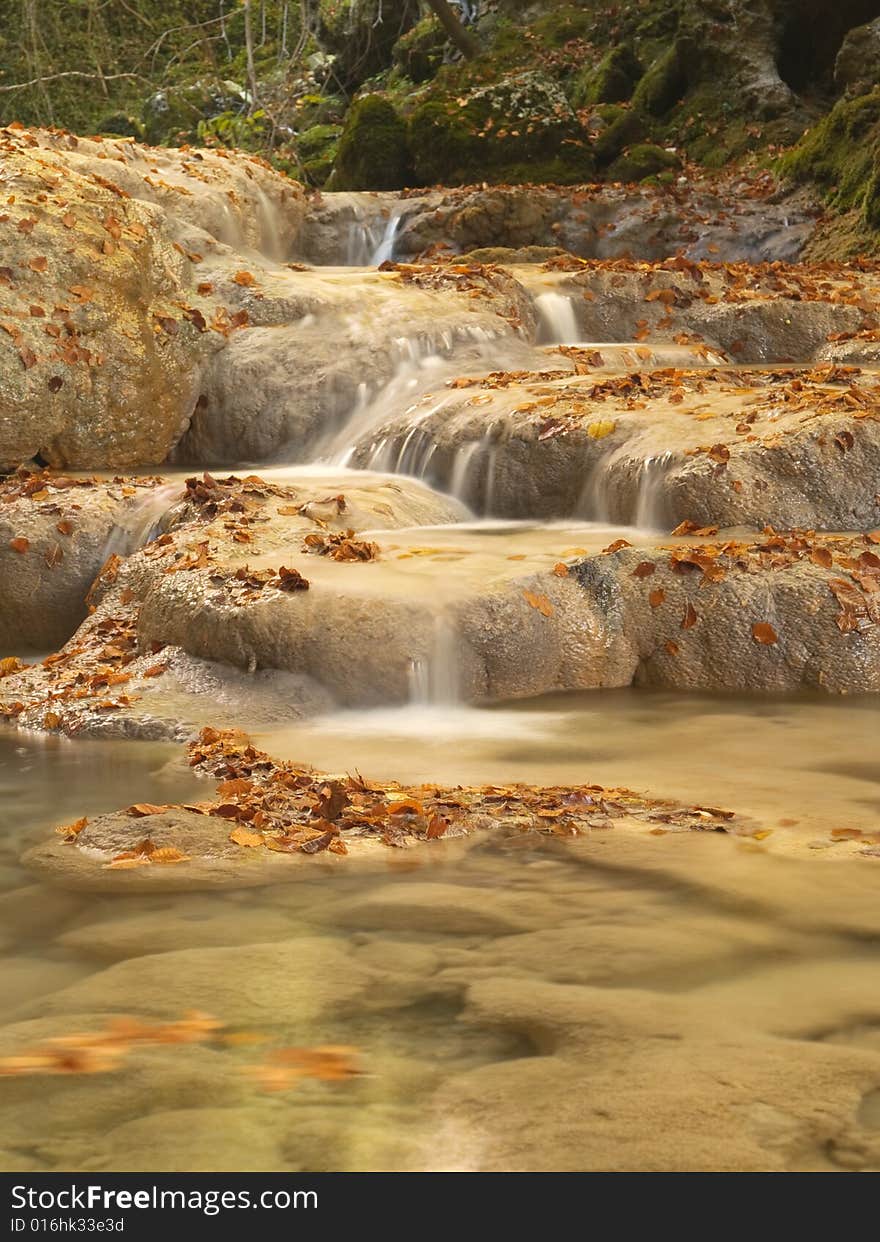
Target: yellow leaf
x=598 y=431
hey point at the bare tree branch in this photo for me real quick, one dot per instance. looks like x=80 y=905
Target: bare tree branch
x=70 y=73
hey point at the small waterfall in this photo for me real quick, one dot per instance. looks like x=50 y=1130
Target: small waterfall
x=270 y=232
x=436 y=679
x=650 y=502
x=385 y=250
x=557 y=322
x=144 y=522
x=620 y=490
x=371 y=242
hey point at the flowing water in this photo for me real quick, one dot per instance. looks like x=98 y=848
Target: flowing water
x=662 y=1000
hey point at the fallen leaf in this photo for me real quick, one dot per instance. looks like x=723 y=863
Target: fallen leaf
x=242 y=836
x=764 y=633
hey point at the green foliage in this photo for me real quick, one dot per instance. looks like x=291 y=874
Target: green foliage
x=317 y=149
x=234 y=129
x=373 y=152
x=159 y=44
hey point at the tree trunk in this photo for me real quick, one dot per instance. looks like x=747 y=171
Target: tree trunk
x=462 y=38
x=249 y=48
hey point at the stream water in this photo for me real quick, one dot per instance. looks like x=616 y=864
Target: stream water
x=677 y=1001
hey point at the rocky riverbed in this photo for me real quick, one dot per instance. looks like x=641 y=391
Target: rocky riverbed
x=360 y=549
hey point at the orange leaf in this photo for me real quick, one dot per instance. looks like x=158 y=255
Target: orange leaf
x=539 y=602
x=251 y=840
x=764 y=633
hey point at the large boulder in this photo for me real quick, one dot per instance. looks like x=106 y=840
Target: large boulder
x=857 y=68
x=105 y=329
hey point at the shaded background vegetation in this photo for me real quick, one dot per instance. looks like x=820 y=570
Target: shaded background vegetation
x=372 y=93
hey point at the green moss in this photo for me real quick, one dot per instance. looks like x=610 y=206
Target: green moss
x=642 y=161
x=663 y=85
x=373 y=153
x=613 y=80
x=841 y=154
x=564 y=24
x=871 y=207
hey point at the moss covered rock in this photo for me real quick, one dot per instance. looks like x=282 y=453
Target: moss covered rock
x=642 y=161
x=841 y=155
x=519 y=129
x=664 y=83
x=619 y=128
x=419 y=53
x=373 y=153
x=613 y=80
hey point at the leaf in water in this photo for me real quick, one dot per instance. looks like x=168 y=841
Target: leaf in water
x=656 y=598
x=20 y=544
x=244 y=278
x=644 y=569
x=764 y=633
x=689 y=620
x=561 y=570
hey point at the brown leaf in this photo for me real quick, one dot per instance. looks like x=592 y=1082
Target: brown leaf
x=317 y=844
x=244 y=278
x=689 y=620
x=644 y=569
x=656 y=598
x=143 y=809
x=20 y=544
x=764 y=633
